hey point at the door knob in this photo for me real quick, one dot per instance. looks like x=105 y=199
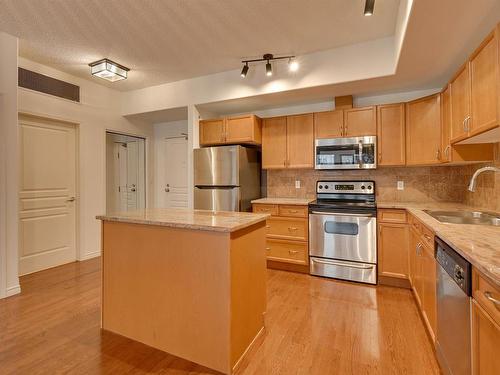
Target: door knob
x=132 y=190
x=167 y=189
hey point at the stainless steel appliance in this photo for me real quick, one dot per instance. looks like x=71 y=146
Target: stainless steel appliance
x=346 y=153
x=453 y=338
x=226 y=178
x=343 y=231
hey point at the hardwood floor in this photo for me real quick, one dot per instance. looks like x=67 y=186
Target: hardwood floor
x=313 y=326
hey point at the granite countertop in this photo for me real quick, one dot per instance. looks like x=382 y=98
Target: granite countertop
x=288 y=201
x=479 y=244
x=217 y=221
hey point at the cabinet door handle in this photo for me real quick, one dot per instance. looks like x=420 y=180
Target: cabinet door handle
x=447 y=151
x=463 y=124
x=438 y=154
x=291 y=229
x=491 y=298
x=467 y=123
x=292 y=251
x=427 y=237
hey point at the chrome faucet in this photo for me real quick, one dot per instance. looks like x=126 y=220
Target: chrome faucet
x=472 y=183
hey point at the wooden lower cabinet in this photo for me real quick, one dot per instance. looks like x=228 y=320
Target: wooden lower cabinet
x=287 y=236
x=485 y=342
x=393 y=242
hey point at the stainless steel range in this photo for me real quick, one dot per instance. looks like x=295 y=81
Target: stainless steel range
x=343 y=231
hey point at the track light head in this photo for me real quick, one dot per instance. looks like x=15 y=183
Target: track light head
x=244 y=71
x=293 y=65
x=369 y=6
x=269 y=69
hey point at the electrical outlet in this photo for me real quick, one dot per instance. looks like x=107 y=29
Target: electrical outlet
x=297 y=184
x=401 y=185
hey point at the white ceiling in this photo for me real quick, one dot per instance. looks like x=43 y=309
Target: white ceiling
x=166 y=41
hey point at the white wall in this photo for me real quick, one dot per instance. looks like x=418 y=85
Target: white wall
x=9 y=281
x=162 y=131
x=97 y=112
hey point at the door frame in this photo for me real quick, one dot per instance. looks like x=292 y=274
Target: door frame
x=146 y=162
x=76 y=126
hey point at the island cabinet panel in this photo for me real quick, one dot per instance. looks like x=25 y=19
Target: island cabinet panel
x=329 y=124
x=360 y=121
x=391 y=134
x=287 y=236
x=460 y=103
x=196 y=294
x=484 y=76
x=423 y=131
x=211 y=132
x=274 y=143
x=300 y=141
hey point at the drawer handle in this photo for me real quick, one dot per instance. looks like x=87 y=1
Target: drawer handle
x=292 y=251
x=265 y=209
x=427 y=237
x=294 y=211
x=490 y=297
x=268 y=226
x=291 y=229
x=342 y=264
x=268 y=248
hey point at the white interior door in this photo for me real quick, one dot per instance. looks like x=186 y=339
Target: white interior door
x=47 y=228
x=173 y=173
x=132 y=174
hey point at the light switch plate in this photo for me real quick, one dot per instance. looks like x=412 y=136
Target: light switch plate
x=401 y=185
x=297 y=184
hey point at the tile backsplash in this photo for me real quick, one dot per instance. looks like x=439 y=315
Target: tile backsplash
x=421 y=184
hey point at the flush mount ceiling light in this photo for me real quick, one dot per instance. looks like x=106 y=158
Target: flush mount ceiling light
x=369 y=6
x=108 y=70
x=293 y=64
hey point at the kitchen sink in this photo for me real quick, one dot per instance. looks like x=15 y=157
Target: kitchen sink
x=465 y=217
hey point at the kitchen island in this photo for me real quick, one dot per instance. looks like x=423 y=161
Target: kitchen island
x=189 y=282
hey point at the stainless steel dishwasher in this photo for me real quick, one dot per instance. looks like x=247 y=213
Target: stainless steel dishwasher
x=453 y=337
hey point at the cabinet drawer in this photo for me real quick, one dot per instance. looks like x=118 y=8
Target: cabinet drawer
x=427 y=236
x=266 y=208
x=415 y=224
x=293 y=211
x=287 y=251
x=392 y=215
x=487 y=295
x=287 y=228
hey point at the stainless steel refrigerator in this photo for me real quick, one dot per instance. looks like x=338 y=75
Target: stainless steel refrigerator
x=226 y=178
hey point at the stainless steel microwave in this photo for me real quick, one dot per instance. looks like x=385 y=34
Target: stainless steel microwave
x=346 y=153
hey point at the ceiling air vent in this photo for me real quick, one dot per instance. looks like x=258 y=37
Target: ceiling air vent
x=48 y=85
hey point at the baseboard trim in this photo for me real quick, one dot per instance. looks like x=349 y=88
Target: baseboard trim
x=13 y=290
x=88 y=256
x=398 y=282
x=256 y=342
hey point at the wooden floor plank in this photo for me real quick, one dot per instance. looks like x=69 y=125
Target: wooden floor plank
x=313 y=326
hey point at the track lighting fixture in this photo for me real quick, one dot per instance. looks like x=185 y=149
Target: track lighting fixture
x=369 y=6
x=244 y=71
x=269 y=69
x=293 y=64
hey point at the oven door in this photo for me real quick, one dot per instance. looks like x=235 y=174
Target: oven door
x=346 y=153
x=344 y=236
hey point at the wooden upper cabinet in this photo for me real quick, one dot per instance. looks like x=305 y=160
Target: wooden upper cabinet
x=391 y=134
x=300 y=141
x=360 y=121
x=211 y=132
x=423 y=131
x=274 y=143
x=460 y=103
x=484 y=77
x=231 y=130
x=243 y=129
x=328 y=124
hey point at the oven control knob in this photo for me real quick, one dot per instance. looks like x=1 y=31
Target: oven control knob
x=326 y=186
x=369 y=187
x=363 y=187
x=320 y=186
